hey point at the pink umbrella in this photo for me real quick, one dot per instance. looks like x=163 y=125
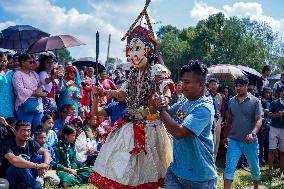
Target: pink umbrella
x=53 y=43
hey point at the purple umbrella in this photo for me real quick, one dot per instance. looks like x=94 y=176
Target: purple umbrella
x=20 y=37
x=53 y=43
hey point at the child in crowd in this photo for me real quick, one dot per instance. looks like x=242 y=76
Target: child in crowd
x=92 y=127
x=177 y=95
x=71 y=109
x=60 y=121
x=68 y=169
x=47 y=125
x=40 y=137
x=82 y=113
x=263 y=134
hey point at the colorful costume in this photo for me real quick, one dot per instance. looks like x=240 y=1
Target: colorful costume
x=67 y=94
x=7 y=100
x=138 y=150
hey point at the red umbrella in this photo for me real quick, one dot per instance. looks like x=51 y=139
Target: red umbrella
x=53 y=43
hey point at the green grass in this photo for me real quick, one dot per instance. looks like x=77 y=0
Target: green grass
x=242 y=180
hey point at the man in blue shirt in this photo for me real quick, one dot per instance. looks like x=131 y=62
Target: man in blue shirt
x=115 y=110
x=189 y=122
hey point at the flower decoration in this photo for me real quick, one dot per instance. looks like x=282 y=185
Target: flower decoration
x=180 y=115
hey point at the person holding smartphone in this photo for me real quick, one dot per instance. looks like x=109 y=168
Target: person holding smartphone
x=50 y=81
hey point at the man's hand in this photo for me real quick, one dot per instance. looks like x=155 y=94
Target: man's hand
x=3 y=121
x=97 y=89
x=78 y=131
x=43 y=166
x=157 y=101
x=41 y=172
x=249 y=138
x=160 y=102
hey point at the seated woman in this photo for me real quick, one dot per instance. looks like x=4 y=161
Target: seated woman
x=83 y=146
x=67 y=167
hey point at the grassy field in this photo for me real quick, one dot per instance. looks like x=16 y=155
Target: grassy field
x=242 y=180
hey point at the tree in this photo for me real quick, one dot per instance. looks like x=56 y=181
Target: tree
x=218 y=40
x=167 y=29
x=63 y=55
x=174 y=53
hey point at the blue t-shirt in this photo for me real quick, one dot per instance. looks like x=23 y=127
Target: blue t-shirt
x=193 y=156
x=115 y=110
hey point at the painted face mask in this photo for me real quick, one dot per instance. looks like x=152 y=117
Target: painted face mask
x=138 y=53
x=140 y=43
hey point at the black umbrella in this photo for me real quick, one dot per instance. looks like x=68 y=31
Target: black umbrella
x=20 y=37
x=251 y=73
x=88 y=62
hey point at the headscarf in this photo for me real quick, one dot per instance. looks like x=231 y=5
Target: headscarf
x=75 y=70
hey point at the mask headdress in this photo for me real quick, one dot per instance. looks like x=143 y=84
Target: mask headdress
x=145 y=35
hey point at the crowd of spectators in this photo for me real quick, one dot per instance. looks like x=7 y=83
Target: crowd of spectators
x=51 y=120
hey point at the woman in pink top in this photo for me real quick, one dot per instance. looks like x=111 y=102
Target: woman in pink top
x=27 y=88
x=106 y=84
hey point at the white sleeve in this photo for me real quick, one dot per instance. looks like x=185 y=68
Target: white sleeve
x=275 y=85
x=42 y=76
x=81 y=147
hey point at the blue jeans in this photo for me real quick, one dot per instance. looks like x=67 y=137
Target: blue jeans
x=234 y=151
x=21 y=176
x=174 y=182
x=33 y=118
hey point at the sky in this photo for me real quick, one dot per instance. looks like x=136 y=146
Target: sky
x=82 y=18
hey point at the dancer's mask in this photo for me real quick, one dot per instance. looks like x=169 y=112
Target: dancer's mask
x=140 y=45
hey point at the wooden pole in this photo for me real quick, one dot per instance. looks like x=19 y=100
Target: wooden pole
x=97 y=56
x=108 y=50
